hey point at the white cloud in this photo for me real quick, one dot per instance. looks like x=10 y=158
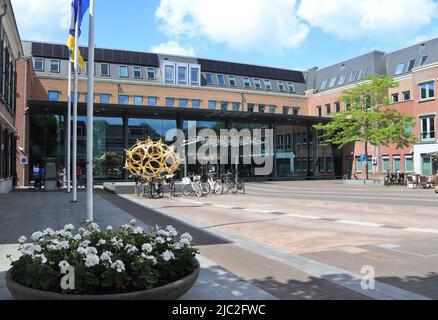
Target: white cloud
x=174 y=48
x=42 y=19
x=241 y=24
x=378 y=18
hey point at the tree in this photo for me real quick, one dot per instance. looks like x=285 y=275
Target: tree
x=368 y=118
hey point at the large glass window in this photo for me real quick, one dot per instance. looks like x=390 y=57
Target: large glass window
x=124 y=72
x=385 y=164
x=236 y=106
x=53 y=95
x=142 y=129
x=396 y=164
x=427 y=90
x=38 y=64
x=224 y=106
x=428 y=129
x=400 y=68
x=426 y=168
x=409 y=164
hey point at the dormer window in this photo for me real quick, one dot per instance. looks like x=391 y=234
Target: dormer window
x=400 y=68
x=221 y=79
x=291 y=87
x=281 y=86
x=182 y=74
x=332 y=82
x=423 y=60
x=411 y=65
x=232 y=81
x=324 y=85
x=353 y=76
x=268 y=85
x=342 y=79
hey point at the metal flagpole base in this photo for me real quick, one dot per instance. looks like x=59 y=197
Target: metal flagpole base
x=73 y=201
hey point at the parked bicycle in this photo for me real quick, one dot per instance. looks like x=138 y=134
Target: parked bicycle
x=193 y=186
x=231 y=185
x=171 y=181
x=394 y=178
x=153 y=188
x=213 y=184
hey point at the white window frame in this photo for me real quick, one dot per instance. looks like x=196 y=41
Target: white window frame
x=196 y=83
x=211 y=77
x=42 y=63
x=342 y=79
x=332 y=82
x=169 y=65
x=324 y=85
x=395 y=95
x=109 y=69
x=186 y=75
x=58 y=63
x=427 y=90
x=268 y=84
x=153 y=71
x=362 y=73
x=409 y=68
x=431 y=119
x=404 y=95
x=353 y=76
x=319 y=111
x=127 y=71
x=223 y=77
x=246 y=82
x=281 y=86
x=399 y=72
x=423 y=60
x=291 y=87
x=133 y=72
x=232 y=79
x=257 y=83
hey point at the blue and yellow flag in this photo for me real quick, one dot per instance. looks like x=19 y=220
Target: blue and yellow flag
x=78 y=10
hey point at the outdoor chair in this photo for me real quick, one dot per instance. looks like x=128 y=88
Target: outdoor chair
x=412 y=184
x=425 y=182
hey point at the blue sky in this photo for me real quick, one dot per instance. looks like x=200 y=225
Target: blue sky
x=282 y=33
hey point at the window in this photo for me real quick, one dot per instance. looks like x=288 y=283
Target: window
x=268 y=85
x=78 y=97
x=428 y=129
x=427 y=90
x=196 y=104
x=246 y=82
x=212 y=105
x=232 y=81
x=170 y=102
x=138 y=101
x=151 y=73
x=406 y=95
x=286 y=110
x=291 y=87
x=104 y=98
x=423 y=60
x=385 y=164
x=362 y=73
x=182 y=75
x=183 y=103
x=332 y=82
x=324 y=85
x=342 y=79
x=209 y=78
x=295 y=111
x=394 y=97
x=321 y=164
x=411 y=65
x=280 y=142
x=328 y=109
x=329 y=164
x=53 y=95
x=221 y=79
x=104 y=69
x=152 y=101
x=400 y=68
x=319 y=111
x=236 y=106
x=257 y=84
x=298 y=165
x=409 y=164
x=426 y=168
x=272 y=109
x=251 y=108
x=281 y=86
x=137 y=72
x=55 y=66
x=352 y=76
x=287 y=145
x=124 y=72
x=262 y=108
x=224 y=106
x=337 y=107
x=123 y=99
x=298 y=139
x=396 y=163
x=38 y=64
x=169 y=74
x=194 y=76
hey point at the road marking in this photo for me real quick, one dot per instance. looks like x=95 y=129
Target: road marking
x=361 y=223
x=422 y=230
x=295 y=215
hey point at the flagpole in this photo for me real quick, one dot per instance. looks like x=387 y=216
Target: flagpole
x=90 y=111
x=75 y=112
x=69 y=130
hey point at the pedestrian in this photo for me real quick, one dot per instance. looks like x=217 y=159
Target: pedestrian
x=35 y=173
x=41 y=176
x=80 y=176
x=60 y=177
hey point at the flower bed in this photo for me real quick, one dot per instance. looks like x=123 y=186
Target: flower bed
x=130 y=259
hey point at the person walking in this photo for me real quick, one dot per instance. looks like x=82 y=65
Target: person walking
x=60 y=177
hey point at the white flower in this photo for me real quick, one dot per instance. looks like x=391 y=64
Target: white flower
x=41 y=257
x=85 y=244
x=133 y=222
x=66 y=234
x=101 y=242
x=90 y=250
x=22 y=239
x=130 y=249
x=125 y=226
x=138 y=230
x=95 y=226
x=37 y=235
x=81 y=250
x=118 y=265
x=184 y=242
x=163 y=233
x=187 y=236
x=109 y=228
x=59 y=245
x=160 y=240
x=172 y=231
x=167 y=255
x=77 y=237
x=118 y=243
x=106 y=256
x=49 y=232
x=83 y=232
x=69 y=227
x=150 y=258
x=177 y=246
x=64 y=265
x=91 y=260
x=147 y=247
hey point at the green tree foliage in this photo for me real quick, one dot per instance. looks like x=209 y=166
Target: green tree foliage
x=368 y=118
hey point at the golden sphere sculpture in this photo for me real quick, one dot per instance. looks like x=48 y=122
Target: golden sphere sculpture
x=152 y=160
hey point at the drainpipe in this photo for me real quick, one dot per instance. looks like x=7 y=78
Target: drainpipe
x=25 y=108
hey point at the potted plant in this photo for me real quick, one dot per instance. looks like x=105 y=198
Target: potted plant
x=88 y=263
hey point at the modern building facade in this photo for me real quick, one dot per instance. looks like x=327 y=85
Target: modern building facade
x=416 y=70
x=10 y=52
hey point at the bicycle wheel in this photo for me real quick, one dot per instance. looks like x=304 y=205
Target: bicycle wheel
x=206 y=189
x=137 y=190
x=387 y=181
x=145 y=191
x=218 y=188
x=234 y=188
x=187 y=190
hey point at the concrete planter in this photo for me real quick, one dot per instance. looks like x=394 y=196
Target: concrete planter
x=171 y=291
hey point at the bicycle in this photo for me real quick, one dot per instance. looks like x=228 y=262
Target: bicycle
x=156 y=189
x=213 y=184
x=231 y=184
x=170 y=180
x=192 y=186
